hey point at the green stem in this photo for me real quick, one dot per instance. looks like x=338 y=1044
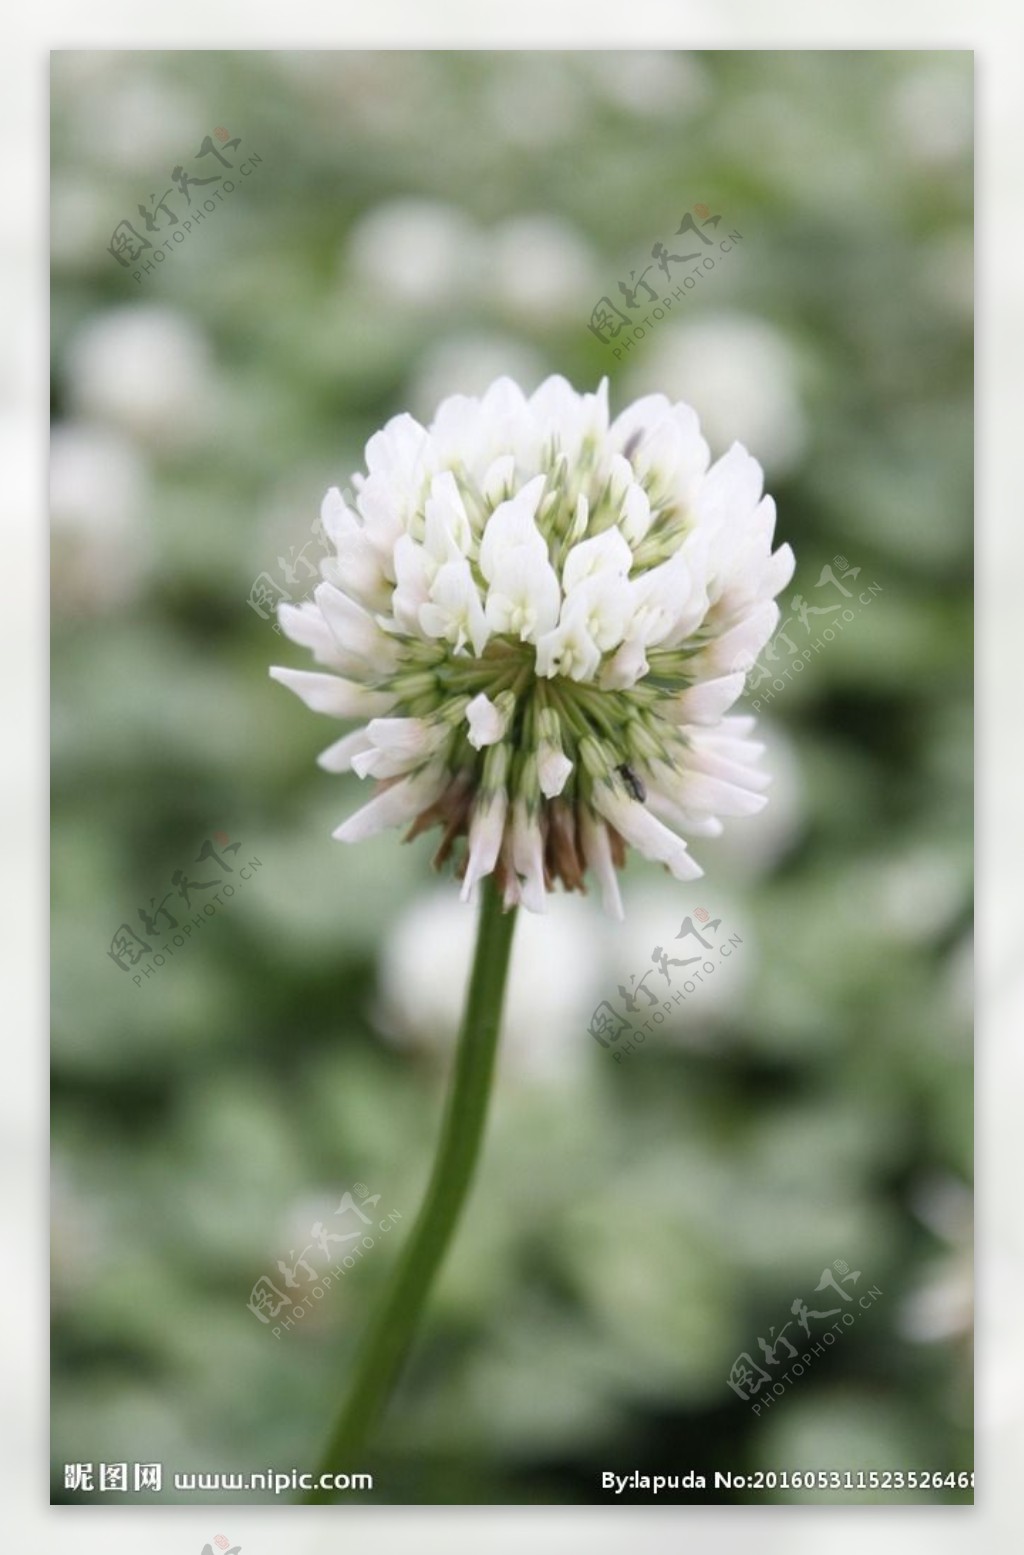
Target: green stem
x=398 y=1315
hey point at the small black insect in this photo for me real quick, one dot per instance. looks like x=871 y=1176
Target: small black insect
x=632 y=782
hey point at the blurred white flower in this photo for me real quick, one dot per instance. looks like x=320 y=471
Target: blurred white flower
x=942 y=1305
x=145 y=369
x=469 y=364
x=526 y=579
x=79 y=1234
x=650 y=82
x=917 y=892
x=960 y=979
x=420 y=252
x=366 y=92
x=540 y=268
x=948 y=273
x=741 y=376
x=644 y=948
x=556 y=969
x=751 y=848
x=801 y=162
x=80 y=224
x=931 y=111
x=134 y=120
x=302 y=1222
x=534 y=99
x=101 y=545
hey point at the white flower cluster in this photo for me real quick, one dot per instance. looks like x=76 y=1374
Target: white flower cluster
x=541 y=618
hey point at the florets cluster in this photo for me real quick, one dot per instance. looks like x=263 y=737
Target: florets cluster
x=541 y=618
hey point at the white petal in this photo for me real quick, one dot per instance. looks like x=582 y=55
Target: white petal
x=524 y=598
x=598 y=855
x=712 y=795
x=569 y=418
x=638 y=826
x=305 y=625
x=448 y=532
x=328 y=694
x=396 y=745
x=648 y=411
x=687 y=822
x=568 y=650
x=496 y=485
x=400 y=451
x=737 y=649
x=779 y=570
x=669 y=601
x=408 y=736
x=454 y=611
x=400 y=803
x=627 y=666
x=732 y=487
x=717 y=765
x=553 y=770
x=745 y=752
x=738 y=726
x=335 y=515
x=414 y=573
x=706 y=701
x=382 y=764
x=338 y=757
x=354 y=630
x=606 y=552
x=665 y=446
x=636 y=513
x=486 y=829
x=486 y=723
x=528 y=859
x=603 y=604
x=513 y=523
x=580 y=520
x=357 y=566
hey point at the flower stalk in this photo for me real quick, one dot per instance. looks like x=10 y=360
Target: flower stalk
x=394 y=1327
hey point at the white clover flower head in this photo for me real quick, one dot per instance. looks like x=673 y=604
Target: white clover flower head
x=541 y=618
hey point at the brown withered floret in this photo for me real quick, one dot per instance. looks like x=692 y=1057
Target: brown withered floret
x=451 y=811
x=559 y=825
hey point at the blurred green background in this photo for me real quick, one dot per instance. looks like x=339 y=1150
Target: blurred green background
x=415 y=225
